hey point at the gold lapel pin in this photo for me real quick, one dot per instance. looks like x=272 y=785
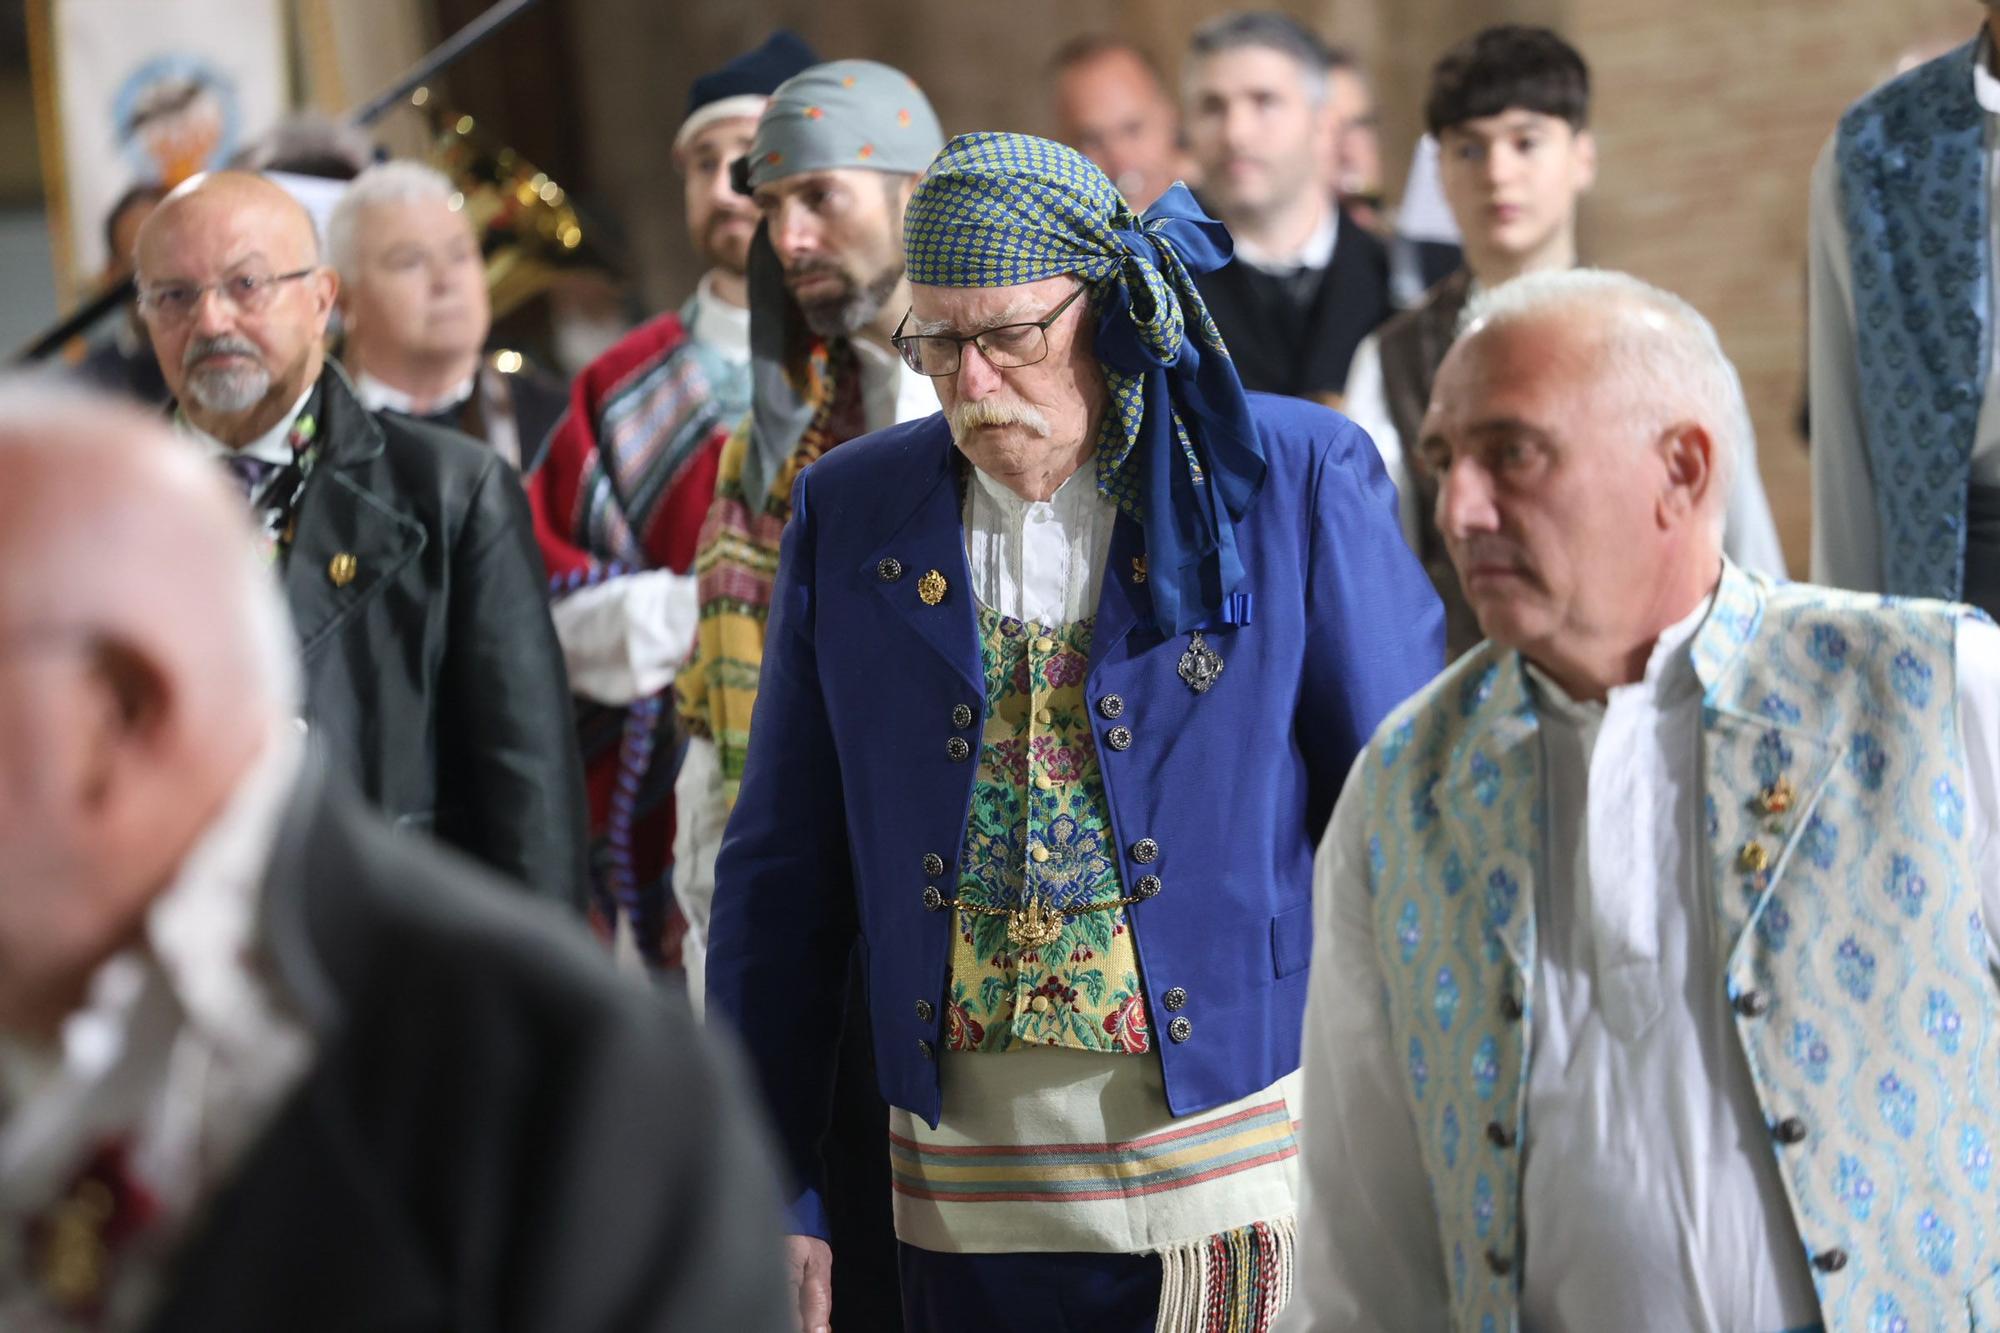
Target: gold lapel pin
x=1138 y=569
x=342 y=569
x=931 y=588
x=1753 y=858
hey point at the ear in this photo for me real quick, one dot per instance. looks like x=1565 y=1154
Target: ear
x=1585 y=149
x=325 y=290
x=133 y=704
x=1687 y=453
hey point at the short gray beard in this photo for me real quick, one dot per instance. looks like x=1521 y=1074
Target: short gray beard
x=225 y=392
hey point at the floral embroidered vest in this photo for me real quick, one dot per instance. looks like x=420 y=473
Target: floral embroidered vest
x=1912 y=159
x=1040 y=828
x=1848 y=911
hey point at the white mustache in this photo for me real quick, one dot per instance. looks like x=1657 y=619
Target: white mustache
x=970 y=416
x=199 y=348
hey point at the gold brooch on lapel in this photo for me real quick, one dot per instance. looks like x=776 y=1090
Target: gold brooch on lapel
x=1138 y=569
x=1753 y=858
x=1777 y=798
x=931 y=588
x=342 y=569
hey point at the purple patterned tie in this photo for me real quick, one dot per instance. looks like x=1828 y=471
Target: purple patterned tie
x=249 y=473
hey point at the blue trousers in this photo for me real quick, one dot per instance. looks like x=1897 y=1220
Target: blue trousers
x=1006 y=1293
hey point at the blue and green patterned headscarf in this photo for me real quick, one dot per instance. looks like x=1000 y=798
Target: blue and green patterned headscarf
x=1178 y=449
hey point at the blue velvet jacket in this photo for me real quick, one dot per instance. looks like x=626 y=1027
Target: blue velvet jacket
x=857 y=776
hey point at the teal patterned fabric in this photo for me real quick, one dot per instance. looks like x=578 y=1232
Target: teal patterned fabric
x=999 y=210
x=1916 y=201
x=1865 y=931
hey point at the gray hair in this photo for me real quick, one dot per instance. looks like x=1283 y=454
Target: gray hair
x=1658 y=349
x=1270 y=31
x=394 y=182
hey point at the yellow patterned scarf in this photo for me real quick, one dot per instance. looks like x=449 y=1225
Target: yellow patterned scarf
x=737 y=562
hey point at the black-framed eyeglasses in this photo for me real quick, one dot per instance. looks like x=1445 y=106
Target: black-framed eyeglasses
x=171 y=302
x=1006 y=345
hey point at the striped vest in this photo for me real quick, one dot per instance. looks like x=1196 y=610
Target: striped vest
x=1845 y=896
x=1914 y=196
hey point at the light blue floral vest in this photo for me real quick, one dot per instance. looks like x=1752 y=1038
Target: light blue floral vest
x=1831 y=748
x=1912 y=158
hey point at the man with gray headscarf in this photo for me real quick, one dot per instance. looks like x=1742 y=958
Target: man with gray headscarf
x=1056 y=698
x=831 y=168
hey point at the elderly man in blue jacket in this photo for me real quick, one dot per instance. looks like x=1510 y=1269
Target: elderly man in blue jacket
x=1059 y=689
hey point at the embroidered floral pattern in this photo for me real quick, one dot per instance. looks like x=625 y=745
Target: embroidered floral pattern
x=1040 y=829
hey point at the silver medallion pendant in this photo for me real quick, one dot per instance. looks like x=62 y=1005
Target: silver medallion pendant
x=1200 y=665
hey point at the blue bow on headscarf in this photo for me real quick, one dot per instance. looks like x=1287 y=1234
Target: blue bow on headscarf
x=997 y=210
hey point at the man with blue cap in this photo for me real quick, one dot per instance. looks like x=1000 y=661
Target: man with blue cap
x=1058 y=690
x=621 y=491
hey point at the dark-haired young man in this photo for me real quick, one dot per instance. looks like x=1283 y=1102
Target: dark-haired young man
x=1510 y=107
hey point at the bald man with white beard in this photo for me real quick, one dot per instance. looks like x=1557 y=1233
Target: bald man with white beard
x=432 y=676
x=264 y=1064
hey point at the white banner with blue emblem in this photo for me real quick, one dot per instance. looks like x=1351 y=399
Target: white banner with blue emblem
x=153 y=91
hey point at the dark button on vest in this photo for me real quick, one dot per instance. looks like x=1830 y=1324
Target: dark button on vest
x=1790 y=1130
x=1753 y=1004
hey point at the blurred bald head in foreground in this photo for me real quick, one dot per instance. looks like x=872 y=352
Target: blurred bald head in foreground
x=144 y=661
x=389 y=1050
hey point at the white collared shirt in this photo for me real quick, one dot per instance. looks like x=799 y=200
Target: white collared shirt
x=1649 y=1196
x=890 y=391
x=273 y=446
x=380 y=396
x=184 y=1050
x=723 y=326
x=1039 y=560
x=1846 y=530
x=1316 y=253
